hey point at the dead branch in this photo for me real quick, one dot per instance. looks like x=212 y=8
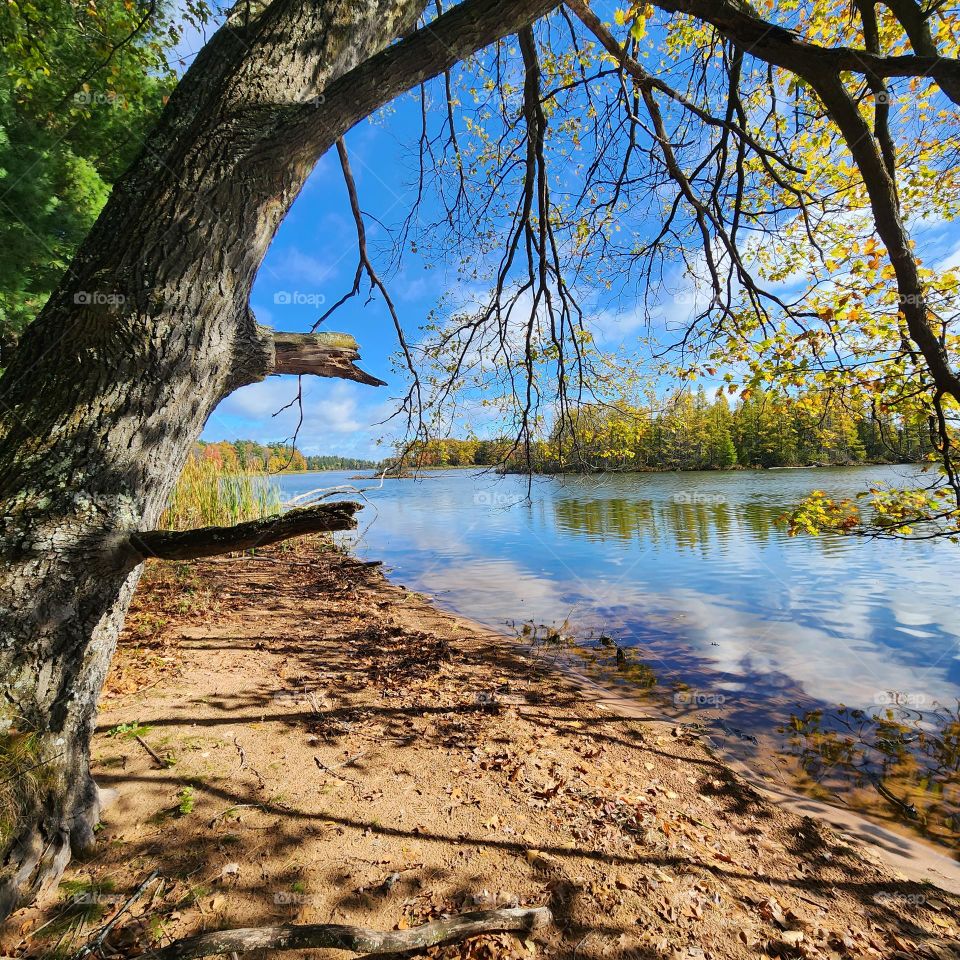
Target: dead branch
x=96 y=942
x=211 y=541
x=356 y=939
x=320 y=354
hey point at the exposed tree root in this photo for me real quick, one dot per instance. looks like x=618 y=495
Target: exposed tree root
x=55 y=827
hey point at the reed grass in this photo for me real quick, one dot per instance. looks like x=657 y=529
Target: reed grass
x=210 y=494
x=24 y=776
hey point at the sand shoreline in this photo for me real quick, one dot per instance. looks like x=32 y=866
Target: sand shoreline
x=912 y=856
x=909 y=855
x=337 y=749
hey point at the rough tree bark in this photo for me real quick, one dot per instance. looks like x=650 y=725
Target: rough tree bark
x=147 y=332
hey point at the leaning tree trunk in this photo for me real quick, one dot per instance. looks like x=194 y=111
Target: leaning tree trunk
x=147 y=332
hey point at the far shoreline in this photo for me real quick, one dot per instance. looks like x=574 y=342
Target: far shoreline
x=485 y=469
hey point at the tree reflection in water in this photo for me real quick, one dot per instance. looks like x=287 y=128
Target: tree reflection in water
x=896 y=760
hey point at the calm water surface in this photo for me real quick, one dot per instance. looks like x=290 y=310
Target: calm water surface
x=833 y=662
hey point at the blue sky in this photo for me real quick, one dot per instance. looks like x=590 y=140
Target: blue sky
x=310 y=265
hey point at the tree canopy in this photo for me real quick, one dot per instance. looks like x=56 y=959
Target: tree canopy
x=80 y=86
x=274 y=457
x=688 y=430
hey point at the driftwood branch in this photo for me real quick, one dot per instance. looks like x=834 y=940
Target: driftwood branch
x=211 y=541
x=356 y=939
x=318 y=354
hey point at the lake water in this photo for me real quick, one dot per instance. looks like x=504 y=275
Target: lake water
x=832 y=662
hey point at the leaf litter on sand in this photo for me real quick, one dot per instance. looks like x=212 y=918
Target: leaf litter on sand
x=356 y=755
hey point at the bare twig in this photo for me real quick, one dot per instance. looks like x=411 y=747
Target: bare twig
x=156 y=759
x=101 y=935
x=333 y=770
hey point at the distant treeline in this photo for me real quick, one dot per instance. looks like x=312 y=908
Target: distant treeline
x=688 y=431
x=273 y=457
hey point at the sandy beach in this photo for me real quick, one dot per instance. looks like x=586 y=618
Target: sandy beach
x=292 y=738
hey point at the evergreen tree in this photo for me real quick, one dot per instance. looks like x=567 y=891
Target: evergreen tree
x=79 y=88
x=721 y=453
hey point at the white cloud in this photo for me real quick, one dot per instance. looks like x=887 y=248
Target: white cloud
x=295 y=265
x=951 y=261
x=615 y=326
x=338 y=417
x=258 y=400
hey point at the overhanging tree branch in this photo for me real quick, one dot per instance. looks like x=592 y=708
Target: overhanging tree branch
x=881 y=189
x=645 y=80
x=872 y=150
x=782 y=47
x=211 y=541
x=440 y=45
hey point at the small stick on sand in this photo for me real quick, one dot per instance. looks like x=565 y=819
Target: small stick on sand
x=146 y=746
